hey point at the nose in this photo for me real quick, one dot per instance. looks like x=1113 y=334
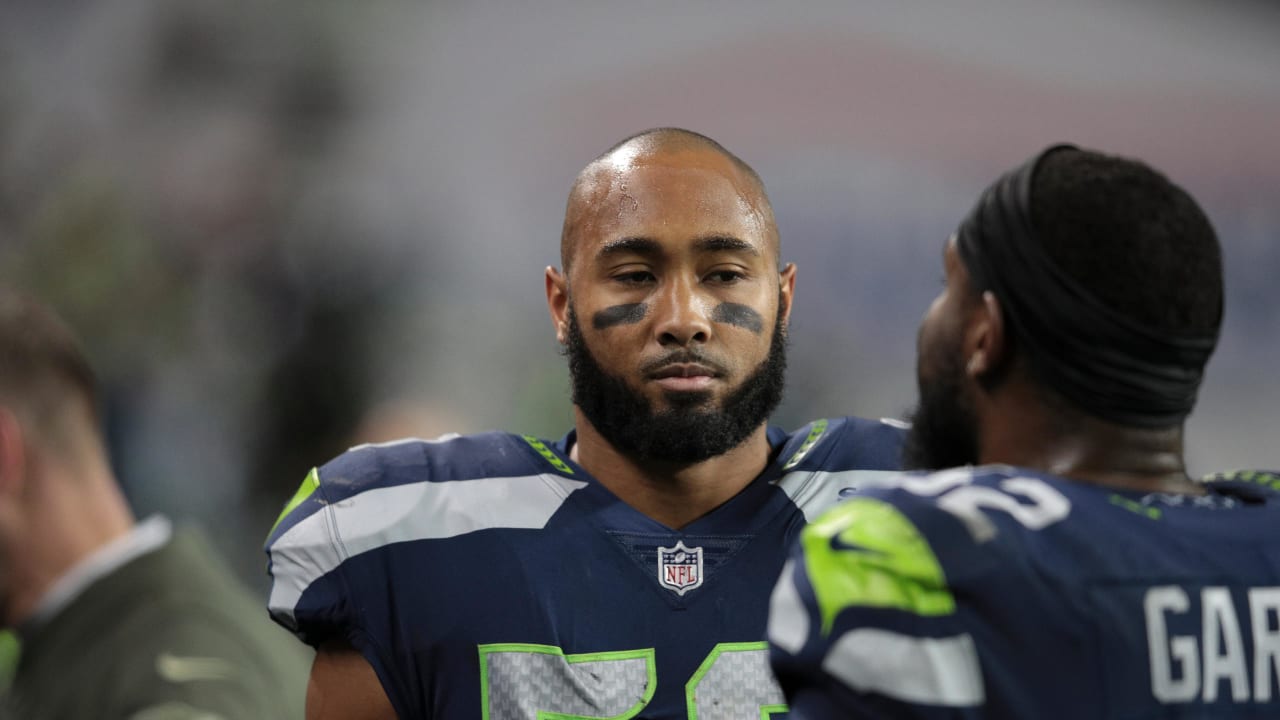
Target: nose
x=681 y=315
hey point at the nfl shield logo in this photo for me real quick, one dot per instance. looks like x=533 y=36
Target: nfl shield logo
x=680 y=567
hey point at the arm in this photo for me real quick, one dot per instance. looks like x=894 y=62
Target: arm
x=343 y=686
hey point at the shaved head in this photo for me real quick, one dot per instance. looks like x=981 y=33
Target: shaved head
x=607 y=175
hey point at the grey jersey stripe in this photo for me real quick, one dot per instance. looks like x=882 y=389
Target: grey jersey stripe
x=416 y=511
x=942 y=671
x=814 y=492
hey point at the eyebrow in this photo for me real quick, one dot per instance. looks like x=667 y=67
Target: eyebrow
x=721 y=243
x=649 y=246
x=637 y=245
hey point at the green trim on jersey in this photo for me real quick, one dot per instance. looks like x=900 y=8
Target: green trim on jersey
x=691 y=688
x=865 y=553
x=815 y=434
x=309 y=485
x=546 y=452
x=647 y=654
x=1136 y=507
x=1257 y=477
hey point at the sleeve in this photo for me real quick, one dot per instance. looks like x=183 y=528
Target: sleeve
x=365 y=499
x=862 y=622
x=313 y=593
x=304 y=560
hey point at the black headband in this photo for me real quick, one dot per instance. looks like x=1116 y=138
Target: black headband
x=1106 y=363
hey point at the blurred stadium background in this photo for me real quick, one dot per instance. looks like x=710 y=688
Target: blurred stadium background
x=286 y=227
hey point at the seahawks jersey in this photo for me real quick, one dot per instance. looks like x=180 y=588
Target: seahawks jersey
x=1000 y=592
x=490 y=576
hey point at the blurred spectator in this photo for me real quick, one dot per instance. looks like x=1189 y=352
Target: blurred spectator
x=116 y=618
x=165 y=185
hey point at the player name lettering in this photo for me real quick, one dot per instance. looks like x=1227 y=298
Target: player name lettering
x=1231 y=657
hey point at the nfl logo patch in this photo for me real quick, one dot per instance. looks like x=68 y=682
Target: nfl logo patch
x=680 y=567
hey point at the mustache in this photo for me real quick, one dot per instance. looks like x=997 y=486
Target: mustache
x=684 y=356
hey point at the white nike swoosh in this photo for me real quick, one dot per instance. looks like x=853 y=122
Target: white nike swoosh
x=183 y=669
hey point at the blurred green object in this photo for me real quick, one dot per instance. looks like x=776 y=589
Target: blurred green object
x=10 y=650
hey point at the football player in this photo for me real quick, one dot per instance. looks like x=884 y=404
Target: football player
x=624 y=569
x=1070 y=569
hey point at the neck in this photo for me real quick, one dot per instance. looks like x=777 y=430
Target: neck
x=1087 y=449
x=68 y=519
x=672 y=494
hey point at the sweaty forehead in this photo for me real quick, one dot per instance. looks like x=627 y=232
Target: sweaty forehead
x=666 y=196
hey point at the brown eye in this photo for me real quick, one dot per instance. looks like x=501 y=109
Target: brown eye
x=638 y=277
x=724 y=277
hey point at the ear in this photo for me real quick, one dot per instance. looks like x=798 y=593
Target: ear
x=787 y=285
x=13 y=455
x=985 y=344
x=558 y=303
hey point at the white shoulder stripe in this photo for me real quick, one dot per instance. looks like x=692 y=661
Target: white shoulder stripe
x=814 y=492
x=400 y=513
x=934 y=671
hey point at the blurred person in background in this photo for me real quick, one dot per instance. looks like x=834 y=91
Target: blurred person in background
x=1076 y=571
x=625 y=568
x=198 y=181
x=115 y=618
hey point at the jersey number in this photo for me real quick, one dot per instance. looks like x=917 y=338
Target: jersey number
x=523 y=681
x=1032 y=502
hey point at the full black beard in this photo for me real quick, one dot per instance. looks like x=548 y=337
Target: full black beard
x=944 y=427
x=690 y=431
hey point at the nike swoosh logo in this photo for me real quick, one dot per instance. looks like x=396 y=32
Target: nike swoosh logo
x=184 y=669
x=837 y=543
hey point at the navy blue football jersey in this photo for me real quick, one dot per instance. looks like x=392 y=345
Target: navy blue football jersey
x=489 y=576
x=999 y=592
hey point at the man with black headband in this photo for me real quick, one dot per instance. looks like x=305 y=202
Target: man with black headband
x=623 y=570
x=1076 y=571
